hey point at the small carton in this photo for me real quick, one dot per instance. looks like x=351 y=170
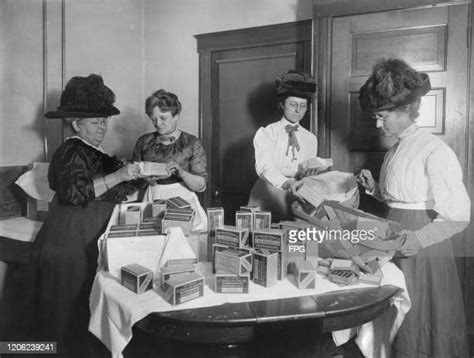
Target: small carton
x=137 y=278
x=183 y=288
x=233 y=260
x=152 y=169
x=271 y=239
x=151 y=225
x=188 y=261
x=244 y=219
x=173 y=220
x=305 y=275
x=183 y=211
x=116 y=234
x=262 y=220
x=132 y=215
x=232 y=236
x=230 y=283
x=340 y=264
x=250 y=208
x=158 y=208
x=215 y=248
x=265 y=267
x=342 y=277
x=371 y=278
x=130 y=227
x=215 y=219
x=167 y=272
x=177 y=202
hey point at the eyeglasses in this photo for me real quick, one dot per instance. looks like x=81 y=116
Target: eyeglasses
x=99 y=121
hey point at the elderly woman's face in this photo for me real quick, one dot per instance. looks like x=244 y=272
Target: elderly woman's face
x=392 y=123
x=92 y=130
x=295 y=108
x=164 y=122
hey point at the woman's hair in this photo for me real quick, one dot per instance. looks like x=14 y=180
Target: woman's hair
x=166 y=101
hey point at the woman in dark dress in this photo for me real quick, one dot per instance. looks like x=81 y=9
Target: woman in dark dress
x=182 y=153
x=421 y=182
x=88 y=183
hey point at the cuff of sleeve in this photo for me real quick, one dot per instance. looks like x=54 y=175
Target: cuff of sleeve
x=438 y=231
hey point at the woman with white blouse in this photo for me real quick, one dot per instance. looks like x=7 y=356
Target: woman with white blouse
x=421 y=182
x=283 y=147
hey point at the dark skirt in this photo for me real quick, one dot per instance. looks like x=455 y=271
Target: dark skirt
x=436 y=324
x=270 y=198
x=48 y=298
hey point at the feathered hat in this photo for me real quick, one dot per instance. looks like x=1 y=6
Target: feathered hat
x=295 y=83
x=393 y=83
x=85 y=97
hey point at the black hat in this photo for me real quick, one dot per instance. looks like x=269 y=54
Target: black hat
x=393 y=83
x=85 y=97
x=295 y=83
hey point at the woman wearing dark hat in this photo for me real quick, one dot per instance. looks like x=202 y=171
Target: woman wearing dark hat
x=421 y=182
x=88 y=184
x=282 y=147
x=182 y=152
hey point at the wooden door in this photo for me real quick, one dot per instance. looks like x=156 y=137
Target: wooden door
x=242 y=99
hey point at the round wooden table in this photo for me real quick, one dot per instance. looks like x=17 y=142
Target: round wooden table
x=286 y=327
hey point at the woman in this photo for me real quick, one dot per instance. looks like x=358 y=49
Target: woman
x=182 y=152
x=88 y=184
x=421 y=182
x=283 y=147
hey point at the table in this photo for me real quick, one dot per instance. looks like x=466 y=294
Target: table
x=255 y=328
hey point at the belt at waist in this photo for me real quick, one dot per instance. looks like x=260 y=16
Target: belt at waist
x=425 y=205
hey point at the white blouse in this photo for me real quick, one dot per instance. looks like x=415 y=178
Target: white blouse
x=423 y=172
x=272 y=162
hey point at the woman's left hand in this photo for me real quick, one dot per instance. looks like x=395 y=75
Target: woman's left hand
x=411 y=246
x=174 y=168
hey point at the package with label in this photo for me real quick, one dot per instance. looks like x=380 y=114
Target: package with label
x=183 y=261
x=115 y=234
x=217 y=247
x=177 y=202
x=183 y=211
x=343 y=277
x=233 y=260
x=265 y=267
x=158 y=208
x=371 y=278
x=152 y=169
x=230 y=283
x=173 y=220
x=262 y=220
x=215 y=219
x=232 y=236
x=151 y=225
x=250 y=208
x=132 y=215
x=305 y=275
x=244 y=219
x=167 y=272
x=183 y=288
x=137 y=278
x=271 y=239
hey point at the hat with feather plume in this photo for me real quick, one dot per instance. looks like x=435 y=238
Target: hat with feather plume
x=295 y=83
x=393 y=83
x=85 y=97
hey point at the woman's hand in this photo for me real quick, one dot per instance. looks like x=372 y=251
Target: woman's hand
x=128 y=172
x=174 y=168
x=292 y=186
x=411 y=245
x=366 y=179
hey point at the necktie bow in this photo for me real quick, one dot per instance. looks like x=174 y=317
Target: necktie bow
x=292 y=140
x=165 y=139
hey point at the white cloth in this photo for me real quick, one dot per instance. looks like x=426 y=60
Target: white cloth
x=35 y=182
x=271 y=143
x=157 y=191
x=115 y=309
x=21 y=229
x=423 y=171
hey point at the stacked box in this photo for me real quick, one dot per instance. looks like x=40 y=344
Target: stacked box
x=177 y=202
x=305 y=275
x=230 y=283
x=371 y=278
x=116 y=234
x=151 y=226
x=189 y=261
x=183 y=288
x=262 y=220
x=274 y=240
x=265 y=267
x=215 y=219
x=232 y=236
x=342 y=276
x=137 y=278
x=215 y=248
x=132 y=215
x=176 y=220
x=158 y=208
x=233 y=260
x=250 y=208
x=343 y=265
x=183 y=211
x=244 y=219
x=168 y=272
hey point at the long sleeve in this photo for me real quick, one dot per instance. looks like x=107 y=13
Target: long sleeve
x=451 y=200
x=138 y=151
x=264 y=162
x=198 y=163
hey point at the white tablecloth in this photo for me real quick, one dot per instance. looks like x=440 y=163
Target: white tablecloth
x=115 y=309
x=21 y=229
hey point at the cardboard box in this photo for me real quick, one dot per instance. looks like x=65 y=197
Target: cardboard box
x=177 y=202
x=262 y=220
x=250 y=208
x=173 y=220
x=189 y=261
x=132 y=215
x=215 y=248
x=137 y=278
x=265 y=267
x=233 y=260
x=152 y=169
x=158 y=208
x=130 y=227
x=343 y=277
x=215 y=219
x=271 y=239
x=183 y=211
x=116 y=234
x=305 y=275
x=244 y=219
x=232 y=236
x=168 y=272
x=183 y=288
x=226 y=282
x=371 y=278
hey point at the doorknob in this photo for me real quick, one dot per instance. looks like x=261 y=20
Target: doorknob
x=216 y=194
